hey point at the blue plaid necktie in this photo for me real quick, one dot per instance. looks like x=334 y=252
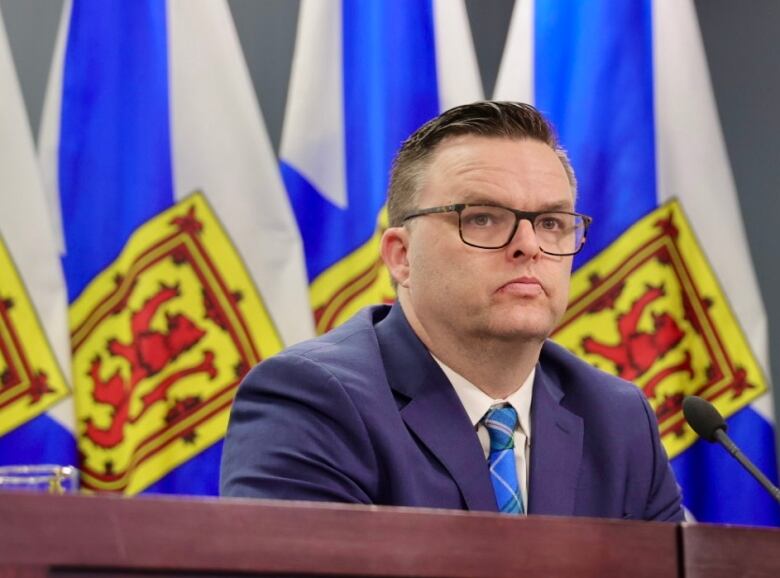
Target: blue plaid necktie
x=501 y=421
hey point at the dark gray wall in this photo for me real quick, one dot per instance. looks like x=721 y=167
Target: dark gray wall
x=32 y=28
x=742 y=51
x=744 y=58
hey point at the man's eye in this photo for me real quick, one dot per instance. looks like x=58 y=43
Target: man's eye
x=480 y=220
x=550 y=223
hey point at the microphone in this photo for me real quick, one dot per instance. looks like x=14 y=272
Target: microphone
x=706 y=421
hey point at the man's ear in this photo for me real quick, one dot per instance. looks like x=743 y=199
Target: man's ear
x=394 y=248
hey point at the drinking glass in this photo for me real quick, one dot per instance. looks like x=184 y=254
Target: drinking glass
x=48 y=478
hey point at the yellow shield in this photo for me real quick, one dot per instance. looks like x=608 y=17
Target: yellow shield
x=31 y=380
x=161 y=338
x=649 y=309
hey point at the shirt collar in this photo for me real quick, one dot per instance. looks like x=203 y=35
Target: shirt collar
x=476 y=402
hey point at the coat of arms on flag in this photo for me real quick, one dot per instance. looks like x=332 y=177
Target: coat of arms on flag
x=161 y=338
x=30 y=377
x=650 y=310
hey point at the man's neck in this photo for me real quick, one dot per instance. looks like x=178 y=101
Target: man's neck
x=496 y=366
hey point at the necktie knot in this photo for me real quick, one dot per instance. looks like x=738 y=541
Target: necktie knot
x=501 y=421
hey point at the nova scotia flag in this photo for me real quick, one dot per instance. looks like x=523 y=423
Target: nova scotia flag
x=181 y=255
x=664 y=293
x=365 y=76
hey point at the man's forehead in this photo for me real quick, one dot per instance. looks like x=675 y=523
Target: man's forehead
x=479 y=197
x=478 y=140
x=463 y=162
x=469 y=151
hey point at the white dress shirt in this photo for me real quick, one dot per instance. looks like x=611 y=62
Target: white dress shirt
x=476 y=403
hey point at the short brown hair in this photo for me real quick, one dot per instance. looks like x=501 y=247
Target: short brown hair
x=512 y=120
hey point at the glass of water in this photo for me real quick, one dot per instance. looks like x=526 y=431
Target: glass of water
x=47 y=478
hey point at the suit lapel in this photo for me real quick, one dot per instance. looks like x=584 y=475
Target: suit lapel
x=556 y=450
x=432 y=411
x=438 y=419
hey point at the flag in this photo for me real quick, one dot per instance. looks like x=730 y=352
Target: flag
x=36 y=409
x=664 y=293
x=182 y=260
x=365 y=75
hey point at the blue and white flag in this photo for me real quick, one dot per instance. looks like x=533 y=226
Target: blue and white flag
x=365 y=76
x=664 y=293
x=36 y=409
x=181 y=255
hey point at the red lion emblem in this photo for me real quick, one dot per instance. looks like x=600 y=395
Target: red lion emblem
x=149 y=353
x=638 y=351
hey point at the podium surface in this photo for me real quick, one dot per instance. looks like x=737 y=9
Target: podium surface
x=711 y=551
x=91 y=536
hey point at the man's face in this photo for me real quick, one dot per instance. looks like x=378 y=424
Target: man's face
x=513 y=293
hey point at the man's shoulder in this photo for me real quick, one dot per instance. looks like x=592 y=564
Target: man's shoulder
x=578 y=378
x=353 y=343
x=612 y=406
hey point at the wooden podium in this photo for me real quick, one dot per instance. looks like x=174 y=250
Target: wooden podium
x=108 y=537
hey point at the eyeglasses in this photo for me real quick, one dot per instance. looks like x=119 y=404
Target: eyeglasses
x=558 y=233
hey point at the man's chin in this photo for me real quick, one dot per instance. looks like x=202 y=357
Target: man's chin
x=524 y=336
x=520 y=331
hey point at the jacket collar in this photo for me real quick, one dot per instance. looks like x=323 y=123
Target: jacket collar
x=556 y=450
x=431 y=409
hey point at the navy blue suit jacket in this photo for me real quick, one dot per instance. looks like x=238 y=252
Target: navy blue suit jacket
x=364 y=414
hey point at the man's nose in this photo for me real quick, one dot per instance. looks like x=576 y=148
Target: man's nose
x=524 y=241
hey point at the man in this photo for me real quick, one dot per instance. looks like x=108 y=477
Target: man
x=453 y=397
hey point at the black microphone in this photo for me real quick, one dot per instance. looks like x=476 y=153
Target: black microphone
x=706 y=421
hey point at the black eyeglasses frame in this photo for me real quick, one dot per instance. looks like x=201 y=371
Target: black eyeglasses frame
x=519 y=216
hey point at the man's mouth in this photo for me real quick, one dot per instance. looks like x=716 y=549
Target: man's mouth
x=523 y=287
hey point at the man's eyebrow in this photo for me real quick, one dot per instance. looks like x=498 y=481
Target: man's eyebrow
x=557 y=206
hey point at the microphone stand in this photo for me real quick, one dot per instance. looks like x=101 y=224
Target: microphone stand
x=732 y=448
